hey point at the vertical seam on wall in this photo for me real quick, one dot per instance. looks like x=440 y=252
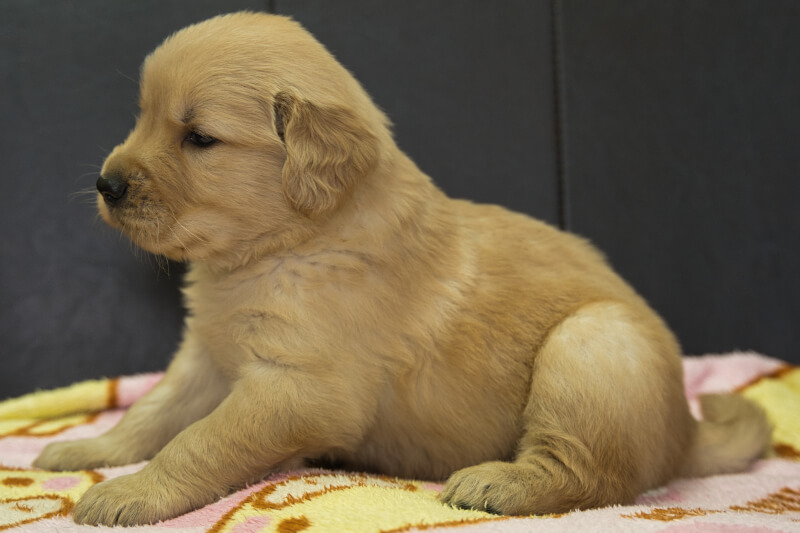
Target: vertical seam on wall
x=271 y=7
x=559 y=110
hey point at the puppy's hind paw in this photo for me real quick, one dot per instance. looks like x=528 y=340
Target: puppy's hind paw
x=494 y=487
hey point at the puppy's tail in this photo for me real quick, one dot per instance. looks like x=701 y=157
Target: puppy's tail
x=733 y=433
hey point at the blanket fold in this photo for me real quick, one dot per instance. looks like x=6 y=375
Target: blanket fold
x=765 y=498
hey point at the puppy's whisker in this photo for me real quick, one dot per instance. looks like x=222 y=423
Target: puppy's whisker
x=127 y=77
x=163 y=264
x=175 y=233
x=189 y=233
x=92 y=174
x=85 y=175
x=186 y=230
x=83 y=194
x=94 y=166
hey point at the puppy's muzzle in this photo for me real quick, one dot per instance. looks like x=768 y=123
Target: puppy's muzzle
x=113 y=188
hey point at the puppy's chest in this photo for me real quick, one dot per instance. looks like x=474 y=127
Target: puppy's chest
x=242 y=328
x=278 y=315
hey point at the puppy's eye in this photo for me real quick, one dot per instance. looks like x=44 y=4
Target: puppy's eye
x=200 y=140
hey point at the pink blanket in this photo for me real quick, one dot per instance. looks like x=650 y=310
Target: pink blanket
x=765 y=498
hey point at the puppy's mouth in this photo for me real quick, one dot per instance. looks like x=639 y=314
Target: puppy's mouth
x=147 y=224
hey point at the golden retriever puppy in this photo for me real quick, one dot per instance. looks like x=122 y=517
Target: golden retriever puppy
x=343 y=310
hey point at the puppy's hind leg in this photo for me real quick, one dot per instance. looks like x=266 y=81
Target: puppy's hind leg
x=606 y=419
x=191 y=388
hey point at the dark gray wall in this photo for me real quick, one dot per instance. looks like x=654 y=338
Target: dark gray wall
x=77 y=300
x=682 y=160
x=665 y=132
x=468 y=85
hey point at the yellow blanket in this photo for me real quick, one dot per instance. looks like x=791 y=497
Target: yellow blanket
x=765 y=498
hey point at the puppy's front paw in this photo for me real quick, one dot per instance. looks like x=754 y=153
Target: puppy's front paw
x=494 y=487
x=129 y=501
x=71 y=455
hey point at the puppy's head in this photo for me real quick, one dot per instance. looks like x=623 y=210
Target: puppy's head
x=250 y=135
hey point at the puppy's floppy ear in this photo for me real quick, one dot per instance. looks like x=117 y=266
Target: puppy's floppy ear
x=328 y=150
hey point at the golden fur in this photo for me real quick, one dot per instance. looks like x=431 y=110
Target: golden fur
x=343 y=310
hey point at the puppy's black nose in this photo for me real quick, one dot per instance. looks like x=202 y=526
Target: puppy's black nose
x=113 y=188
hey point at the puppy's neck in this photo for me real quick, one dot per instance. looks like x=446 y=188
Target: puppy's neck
x=385 y=210
x=383 y=215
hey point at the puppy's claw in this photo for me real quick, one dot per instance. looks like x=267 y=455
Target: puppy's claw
x=492 y=487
